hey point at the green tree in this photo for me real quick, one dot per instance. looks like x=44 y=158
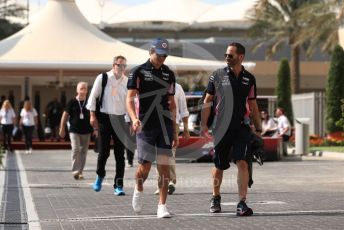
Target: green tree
x=197 y=87
x=340 y=123
x=184 y=85
x=8 y=9
x=319 y=24
x=275 y=23
x=283 y=89
x=334 y=90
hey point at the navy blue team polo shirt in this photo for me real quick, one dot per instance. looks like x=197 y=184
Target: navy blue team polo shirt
x=243 y=88
x=154 y=86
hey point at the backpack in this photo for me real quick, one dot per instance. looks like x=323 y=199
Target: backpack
x=99 y=102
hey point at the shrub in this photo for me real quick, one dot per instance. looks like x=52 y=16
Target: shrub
x=283 y=89
x=334 y=90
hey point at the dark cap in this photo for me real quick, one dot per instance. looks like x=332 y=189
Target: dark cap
x=160 y=46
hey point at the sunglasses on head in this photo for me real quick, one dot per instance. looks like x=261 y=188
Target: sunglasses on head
x=121 y=65
x=230 y=56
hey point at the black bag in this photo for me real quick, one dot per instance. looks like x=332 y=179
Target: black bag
x=97 y=144
x=99 y=102
x=17 y=134
x=257 y=148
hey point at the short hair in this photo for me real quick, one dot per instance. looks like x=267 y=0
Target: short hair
x=115 y=59
x=240 y=47
x=82 y=83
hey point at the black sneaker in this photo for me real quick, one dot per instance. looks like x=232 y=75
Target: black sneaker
x=215 y=204
x=171 y=189
x=243 y=209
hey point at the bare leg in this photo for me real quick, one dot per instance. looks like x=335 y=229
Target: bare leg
x=142 y=174
x=217 y=180
x=164 y=177
x=243 y=178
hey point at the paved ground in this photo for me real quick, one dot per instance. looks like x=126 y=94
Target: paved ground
x=38 y=191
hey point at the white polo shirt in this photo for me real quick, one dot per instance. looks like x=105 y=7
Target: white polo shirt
x=283 y=123
x=7 y=116
x=28 y=117
x=180 y=100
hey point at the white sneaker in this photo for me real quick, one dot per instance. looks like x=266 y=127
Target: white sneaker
x=162 y=211
x=26 y=151
x=30 y=150
x=137 y=201
x=157 y=192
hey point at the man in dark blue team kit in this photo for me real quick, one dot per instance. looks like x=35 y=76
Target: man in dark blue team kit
x=235 y=91
x=154 y=85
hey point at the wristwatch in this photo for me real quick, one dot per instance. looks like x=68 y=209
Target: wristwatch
x=258 y=130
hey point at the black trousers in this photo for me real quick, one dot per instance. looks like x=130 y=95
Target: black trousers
x=28 y=130
x=7 y=133
x=111 y=127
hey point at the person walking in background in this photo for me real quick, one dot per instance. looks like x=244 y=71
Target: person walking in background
x=80 y=129
x=54 y=112
x=269 y=126
x=112 y=112
x=182 y=115
x=8 y=120
x=28 y=122
x=284 y=129
x=233 y=86
x=154 y=84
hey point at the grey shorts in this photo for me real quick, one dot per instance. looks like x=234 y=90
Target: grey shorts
x=153 y=142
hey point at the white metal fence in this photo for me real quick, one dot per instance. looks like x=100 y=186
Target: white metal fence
x=311 y=107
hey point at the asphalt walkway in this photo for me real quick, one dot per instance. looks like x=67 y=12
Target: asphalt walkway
x=38 y=192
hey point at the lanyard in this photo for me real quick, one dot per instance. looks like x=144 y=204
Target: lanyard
x=81 y=106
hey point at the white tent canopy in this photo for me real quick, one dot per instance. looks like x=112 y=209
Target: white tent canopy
x=160 y=14
x=63 y=39
x=231 y=15
x=99 y=11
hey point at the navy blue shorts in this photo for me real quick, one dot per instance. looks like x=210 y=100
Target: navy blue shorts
x=233 y=146
x=152 y=142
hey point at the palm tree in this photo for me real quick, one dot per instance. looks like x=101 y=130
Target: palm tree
x=276 y=23
x=323 y=20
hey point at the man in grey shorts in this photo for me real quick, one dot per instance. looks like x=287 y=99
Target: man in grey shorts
x=154 y=122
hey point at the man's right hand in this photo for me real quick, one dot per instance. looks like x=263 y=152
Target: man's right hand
x=93 y=120
x=136 y=125
x=204 y=132
x=62 y=132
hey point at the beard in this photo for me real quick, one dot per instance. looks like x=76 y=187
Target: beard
x=232 y=62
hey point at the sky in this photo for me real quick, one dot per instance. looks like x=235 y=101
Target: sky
x=133 y=2
x=36 y=6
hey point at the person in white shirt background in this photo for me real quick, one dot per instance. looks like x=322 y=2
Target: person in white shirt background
x=8 y=120
x=182 y=115
x=113 y=110
x=284 y=128
x=28 y=122
x=269 y=127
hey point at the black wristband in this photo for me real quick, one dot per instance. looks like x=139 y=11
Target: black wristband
x=258 y=130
